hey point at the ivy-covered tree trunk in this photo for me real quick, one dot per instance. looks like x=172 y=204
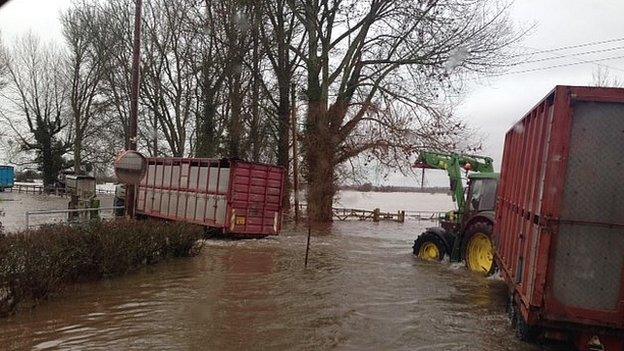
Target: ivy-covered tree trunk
x=49 y=157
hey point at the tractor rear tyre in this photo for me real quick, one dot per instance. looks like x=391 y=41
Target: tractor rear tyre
x=429 y=247
x=478 y=248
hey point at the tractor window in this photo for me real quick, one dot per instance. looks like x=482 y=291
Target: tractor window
x=483 y=197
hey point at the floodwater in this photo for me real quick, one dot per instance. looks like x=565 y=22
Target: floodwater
x=362 y=290
x=391 y=202
x=14 y=206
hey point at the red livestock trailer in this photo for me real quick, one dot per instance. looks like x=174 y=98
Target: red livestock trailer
x=559 y=227
x=233 y=197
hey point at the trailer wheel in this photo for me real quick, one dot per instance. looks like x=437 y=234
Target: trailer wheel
x=511 y=311
x=429 y=247
x=478 y=248
x=524 y=332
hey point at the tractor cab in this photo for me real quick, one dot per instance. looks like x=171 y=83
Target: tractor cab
x=481 y=193
x=480 y=199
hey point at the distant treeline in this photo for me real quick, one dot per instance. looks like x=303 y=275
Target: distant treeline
x=395 y=189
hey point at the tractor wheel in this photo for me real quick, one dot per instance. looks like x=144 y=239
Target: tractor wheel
x=429 y=247
x=478 y=248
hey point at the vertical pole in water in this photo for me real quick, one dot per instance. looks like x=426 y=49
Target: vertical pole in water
x=308 y=245
x=293 y=121
x=134 y=99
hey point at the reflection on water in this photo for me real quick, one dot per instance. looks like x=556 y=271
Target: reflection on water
x=362 y=290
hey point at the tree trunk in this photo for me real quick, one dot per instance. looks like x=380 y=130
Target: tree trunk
x=319 y=139
x=320 y=154
x=255 y=135
x=155 y=137
x=284 y=115
x=235 y=125
x=48 y=171
x=78 y=151
x=321 y=184
x=205 y=142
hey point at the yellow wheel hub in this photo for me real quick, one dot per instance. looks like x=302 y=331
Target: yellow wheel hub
x=480 y=253
x=429 y=252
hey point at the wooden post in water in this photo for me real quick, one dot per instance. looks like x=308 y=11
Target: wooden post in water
x=376 y=215
x=308 y=245
x=295 y=163
x=401 y=217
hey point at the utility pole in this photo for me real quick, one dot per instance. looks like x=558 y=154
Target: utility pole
x=134 y=99
x=293 y=122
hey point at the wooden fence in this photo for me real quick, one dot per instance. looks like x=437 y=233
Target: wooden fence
x=377 y=215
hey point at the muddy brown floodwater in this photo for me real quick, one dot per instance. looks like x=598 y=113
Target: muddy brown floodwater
x=363 y=290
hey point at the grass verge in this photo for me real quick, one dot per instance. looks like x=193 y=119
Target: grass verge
x=38 y=262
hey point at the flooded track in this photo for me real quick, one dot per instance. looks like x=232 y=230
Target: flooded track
x=363 y=290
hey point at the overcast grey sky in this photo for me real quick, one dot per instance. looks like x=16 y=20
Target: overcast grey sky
x=491 y=105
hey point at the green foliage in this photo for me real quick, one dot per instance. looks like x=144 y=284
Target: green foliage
x=36 y=263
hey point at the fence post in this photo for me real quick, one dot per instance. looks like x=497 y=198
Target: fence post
x=401 y=217
x=376 y=213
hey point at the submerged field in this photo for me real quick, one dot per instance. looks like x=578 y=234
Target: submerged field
x=362 y=290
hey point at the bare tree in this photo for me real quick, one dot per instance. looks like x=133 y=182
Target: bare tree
x=363 y=58
x=3 y=64
x=209 y=123
x=169 y=69
x=85 y=70
x=233 y=29
x=276 y=38
x=6 y=143
x=602 y=77
x=115 y=33
x=37 y=94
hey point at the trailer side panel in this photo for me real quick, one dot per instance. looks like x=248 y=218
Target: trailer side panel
x=560 y=216
x=236 y=197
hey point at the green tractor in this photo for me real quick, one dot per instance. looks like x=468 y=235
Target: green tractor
x=466 y=233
